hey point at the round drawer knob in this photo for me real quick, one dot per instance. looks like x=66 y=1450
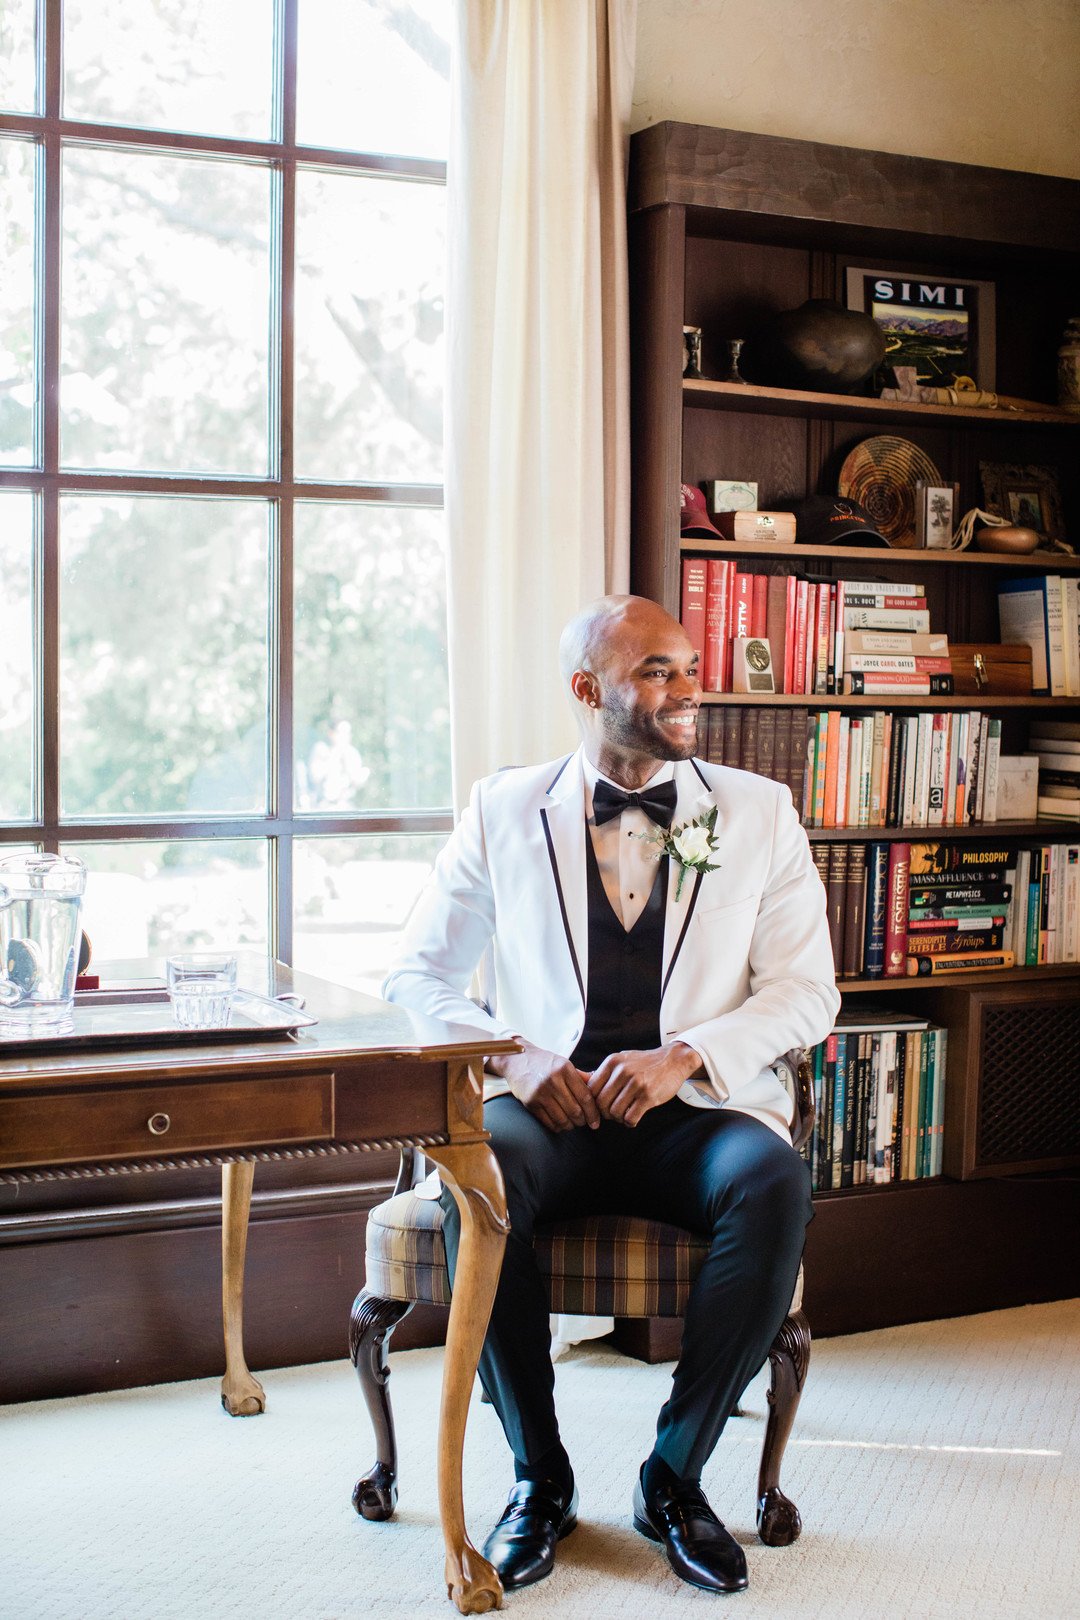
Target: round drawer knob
x=158 y=1124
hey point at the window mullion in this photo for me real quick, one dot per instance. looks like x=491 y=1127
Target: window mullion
x=47 y=435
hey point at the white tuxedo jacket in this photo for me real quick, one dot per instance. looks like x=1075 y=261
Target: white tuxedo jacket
x=747 y=966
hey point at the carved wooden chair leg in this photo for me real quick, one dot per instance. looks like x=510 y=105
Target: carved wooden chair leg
x=778 y=1518
x=373 y=1321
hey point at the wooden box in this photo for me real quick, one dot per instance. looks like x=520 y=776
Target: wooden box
x=983 y=668
x=751 y=526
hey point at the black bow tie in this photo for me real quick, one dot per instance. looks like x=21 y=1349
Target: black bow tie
x=657 y=802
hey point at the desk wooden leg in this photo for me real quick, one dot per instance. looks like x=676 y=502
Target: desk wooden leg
x=241 y=1394
x=473 y=1176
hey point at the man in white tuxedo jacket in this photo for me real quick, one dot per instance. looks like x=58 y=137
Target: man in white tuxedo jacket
x=651 y=999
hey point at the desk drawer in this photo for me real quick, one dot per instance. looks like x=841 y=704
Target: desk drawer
x=124 y=1122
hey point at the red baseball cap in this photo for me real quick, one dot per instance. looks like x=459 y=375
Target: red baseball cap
x=694 y=517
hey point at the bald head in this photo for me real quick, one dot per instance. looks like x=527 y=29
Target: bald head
x=631 y=673
x=592 y=635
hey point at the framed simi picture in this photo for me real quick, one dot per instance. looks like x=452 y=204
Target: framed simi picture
x=1028 y=496
x=941 y=325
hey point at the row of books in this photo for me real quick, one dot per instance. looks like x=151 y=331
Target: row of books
x=1044 y=919
x=908 y=909
x=881 y=769
x=876 y=769
x=879 y=1081
x=1056 y=746
x=825 y=636
x=1044 y=612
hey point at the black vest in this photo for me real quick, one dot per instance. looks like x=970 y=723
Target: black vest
x=622 y=1005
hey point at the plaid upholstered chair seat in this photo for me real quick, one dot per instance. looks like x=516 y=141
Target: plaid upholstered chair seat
x=598 y=1265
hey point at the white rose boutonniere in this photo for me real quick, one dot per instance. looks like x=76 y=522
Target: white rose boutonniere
x=689 y=843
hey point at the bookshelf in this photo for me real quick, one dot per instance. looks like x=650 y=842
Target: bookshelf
x=726 y=226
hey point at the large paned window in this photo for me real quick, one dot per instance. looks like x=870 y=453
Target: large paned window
x=223 y=673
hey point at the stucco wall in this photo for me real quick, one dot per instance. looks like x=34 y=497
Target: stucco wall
x=974 y=81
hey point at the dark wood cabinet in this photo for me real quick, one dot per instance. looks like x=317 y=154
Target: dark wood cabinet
x=725 y=228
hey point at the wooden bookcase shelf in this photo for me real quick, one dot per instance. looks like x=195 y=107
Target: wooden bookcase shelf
x=1027 y=975
x=980 y=830
x=822 y=700
x=887 y=558
x=726 y=396
x=727 y=227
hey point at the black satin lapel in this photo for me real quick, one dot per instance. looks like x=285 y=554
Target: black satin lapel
x=562 y=905
x=682 y=932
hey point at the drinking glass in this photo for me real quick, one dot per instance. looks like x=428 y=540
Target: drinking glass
x=40 y=900
x=201 y=988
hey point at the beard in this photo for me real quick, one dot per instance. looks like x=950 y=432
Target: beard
x=642 y=733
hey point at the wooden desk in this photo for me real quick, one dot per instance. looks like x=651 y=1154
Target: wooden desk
x=366 y=1078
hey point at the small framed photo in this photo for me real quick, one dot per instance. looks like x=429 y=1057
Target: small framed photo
x=1028 y=496
x=941 y=325
x=935 y=514
x=734 y=495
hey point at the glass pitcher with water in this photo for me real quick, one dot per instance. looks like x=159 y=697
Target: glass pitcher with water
x=40 y=902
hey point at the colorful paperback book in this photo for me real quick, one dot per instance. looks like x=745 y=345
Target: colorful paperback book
x=884 y=588
x=935 y=861
x=863 y=618
x=975 y=962
x=903 y=1047
x=957 y=919
x=883 y=603
x=980 y=778
x=937 y=1121
x=948 y=942
x=972 y=894
x=842 y=761
x=905 y=643
x=926 y=1075
x=838 y=1111
x=911 y=1103
x=963 y=880
x=935 y=811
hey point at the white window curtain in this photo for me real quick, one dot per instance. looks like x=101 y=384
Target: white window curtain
x=537 y=481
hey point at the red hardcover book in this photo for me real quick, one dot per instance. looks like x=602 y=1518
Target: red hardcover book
x=715 y=622
x=791 y=599
x=896 y=911
x=759 y=610
x=742 y=600
x=775 y=622
x=692 y=608
x=798 y=663
x=810 y=669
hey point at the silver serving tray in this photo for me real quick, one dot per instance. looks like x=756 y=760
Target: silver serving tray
x=142 y=1016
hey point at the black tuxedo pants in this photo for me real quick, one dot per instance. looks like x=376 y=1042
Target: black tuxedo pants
x=711 y=1171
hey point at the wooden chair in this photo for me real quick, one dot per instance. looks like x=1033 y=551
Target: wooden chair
x=602 y=1265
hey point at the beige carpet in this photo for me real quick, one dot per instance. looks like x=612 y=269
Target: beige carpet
x=937 y=1468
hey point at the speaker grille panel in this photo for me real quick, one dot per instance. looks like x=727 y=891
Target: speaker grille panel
x=1029 y=1093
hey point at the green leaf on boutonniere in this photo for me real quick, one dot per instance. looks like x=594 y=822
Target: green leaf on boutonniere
x=690 y=844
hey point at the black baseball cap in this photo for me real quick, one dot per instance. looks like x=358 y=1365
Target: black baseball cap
x=822 y=519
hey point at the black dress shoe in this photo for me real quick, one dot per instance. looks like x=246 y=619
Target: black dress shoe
x=522 y=1544
x=698 y=1547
